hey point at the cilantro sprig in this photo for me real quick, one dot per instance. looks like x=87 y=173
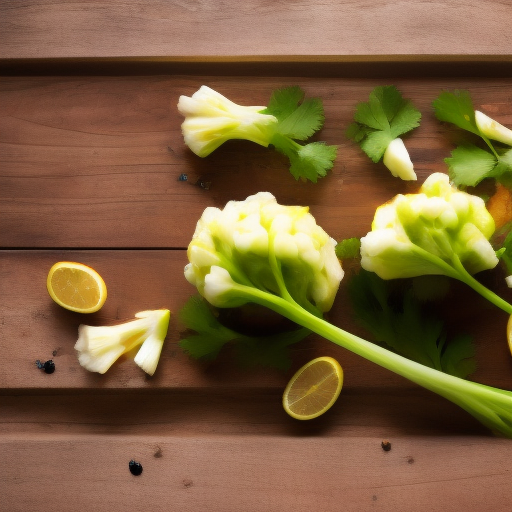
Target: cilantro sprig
x=470 y=163
x=398 y=320
x=289 y=119
x=298 y=119
x=211 y=336
x=379 y=122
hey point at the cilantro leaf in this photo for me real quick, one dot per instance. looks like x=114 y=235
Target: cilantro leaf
x=211 y=336
x=299 y=119
x=375 y=144
x=383 y=118
x=348 y=248
x=310 y=162
x=468 y=165
x=398 y=321
x=456 y=108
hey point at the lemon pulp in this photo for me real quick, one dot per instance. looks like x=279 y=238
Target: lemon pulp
x=76 y=287
x=313 y=389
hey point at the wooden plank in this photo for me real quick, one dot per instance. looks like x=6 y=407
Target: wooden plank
x=95 y=161
x=254 y=473
x=33 y=327
x=212 y=411
x=159 y=28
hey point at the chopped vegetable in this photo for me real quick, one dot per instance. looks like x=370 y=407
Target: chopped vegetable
x=378 y=126
x=469 y=164
x=439 y=231
x=399 y=321
x=100 y=347
x=277 y=256
x=211 y=336
x=211 y=119
x=492 y=129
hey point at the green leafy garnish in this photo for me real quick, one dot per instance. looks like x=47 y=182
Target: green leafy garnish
x=381 y=120
x=469 y=164
x=211 y=336
x=211 y=119
x=456 y=108
x=400 y=322
x=299 y=119
x=348 y=248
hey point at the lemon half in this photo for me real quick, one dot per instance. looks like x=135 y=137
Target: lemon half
x=76 y=287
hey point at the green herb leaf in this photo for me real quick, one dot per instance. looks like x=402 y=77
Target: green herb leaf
x=295 y=119
x=211 y=336
x=398 y=321
x=468 y=165
x=456 y=108
x=299 y=119
x=385 y=116
x=348 y=248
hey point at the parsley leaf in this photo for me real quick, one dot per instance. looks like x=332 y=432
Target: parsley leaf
x=399 y=321
x=299 y=119
x=211 y=336
x=385 y=116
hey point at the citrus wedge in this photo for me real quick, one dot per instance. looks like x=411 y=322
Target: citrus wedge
x=76 y=287
x=313 y=389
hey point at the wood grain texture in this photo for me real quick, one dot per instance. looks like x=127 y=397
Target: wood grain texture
x=254 y=473
x=95 y=161
x=385 y=412
x=178 y=29
x=89 y=165
x=33 y=327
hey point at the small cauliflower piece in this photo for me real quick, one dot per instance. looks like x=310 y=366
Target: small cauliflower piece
x=99 y=347
x=492 y=129
x=397 y=160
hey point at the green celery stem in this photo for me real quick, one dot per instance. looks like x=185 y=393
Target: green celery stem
x=459 y=272
x=492 y=406
x=467 y=278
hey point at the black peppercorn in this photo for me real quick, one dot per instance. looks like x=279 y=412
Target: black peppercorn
x=135 y=468
x=48 y=366
x=386 y=446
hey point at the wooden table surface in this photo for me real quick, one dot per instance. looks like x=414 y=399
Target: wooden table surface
x=91 y=151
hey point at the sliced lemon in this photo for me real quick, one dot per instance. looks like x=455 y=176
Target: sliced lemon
x=313 y=389
x=76 y=287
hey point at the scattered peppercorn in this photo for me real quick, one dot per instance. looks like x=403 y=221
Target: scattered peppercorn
x=135 y=468
x=48 y=366
x=386 y=446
